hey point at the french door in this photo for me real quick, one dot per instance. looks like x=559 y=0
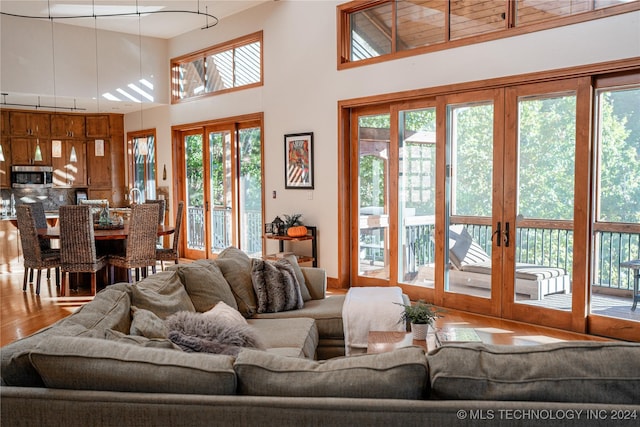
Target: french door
x=477 y=200
x=222 y=164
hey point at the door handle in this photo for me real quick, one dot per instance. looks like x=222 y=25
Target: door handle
x=506 y=234
x=498 y=232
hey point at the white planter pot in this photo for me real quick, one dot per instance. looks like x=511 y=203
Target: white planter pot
x=419 y=331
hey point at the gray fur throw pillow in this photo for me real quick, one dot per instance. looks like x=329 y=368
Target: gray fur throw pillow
x=195 y=332
x=276 y=286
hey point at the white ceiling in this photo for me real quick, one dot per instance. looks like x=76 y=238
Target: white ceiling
x=161 y=25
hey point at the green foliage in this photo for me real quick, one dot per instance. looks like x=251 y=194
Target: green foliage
x=292 y=220
x=419 y=313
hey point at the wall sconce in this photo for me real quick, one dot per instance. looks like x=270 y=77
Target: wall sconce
x=72 y=157
x=164 y=171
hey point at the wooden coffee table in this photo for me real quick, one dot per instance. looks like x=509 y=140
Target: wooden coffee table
x=385 y=341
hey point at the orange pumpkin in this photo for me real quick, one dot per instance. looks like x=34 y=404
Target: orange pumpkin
x=297 y=231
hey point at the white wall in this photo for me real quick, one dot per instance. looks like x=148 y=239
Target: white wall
x=301 y=83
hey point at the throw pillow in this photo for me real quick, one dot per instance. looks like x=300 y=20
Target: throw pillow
x=224 y=314
x=463 y=250
x=236 y=269
x=147 y=324
x=276 y=286
x=306 y=295
x=195 y=332
x=205 y=284
x=162 y=294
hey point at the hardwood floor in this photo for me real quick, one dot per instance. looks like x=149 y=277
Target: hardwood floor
x=23 y=313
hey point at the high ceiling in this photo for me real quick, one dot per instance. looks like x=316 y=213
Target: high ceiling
x=155 y=24
x=152 y=21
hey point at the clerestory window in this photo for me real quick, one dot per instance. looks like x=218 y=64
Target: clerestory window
x=232 y=65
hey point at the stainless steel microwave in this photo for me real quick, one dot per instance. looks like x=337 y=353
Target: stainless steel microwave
x=31 y=176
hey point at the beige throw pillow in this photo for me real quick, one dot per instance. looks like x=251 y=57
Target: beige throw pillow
x=205 y=284
x=162 y=294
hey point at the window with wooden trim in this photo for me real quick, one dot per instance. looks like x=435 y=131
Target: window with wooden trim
x=229 y=66
x=380 y=30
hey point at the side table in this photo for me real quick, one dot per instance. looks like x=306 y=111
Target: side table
x=635 y=266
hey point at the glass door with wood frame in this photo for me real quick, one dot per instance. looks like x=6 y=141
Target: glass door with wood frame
x=223 y=187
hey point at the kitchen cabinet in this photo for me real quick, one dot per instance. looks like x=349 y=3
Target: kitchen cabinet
x=23 y=151
x=99 y=164
x=68 y=173
x=5 y=166
x=97 y=126
x=29 y=124
x=5 y=128
x=67 y=126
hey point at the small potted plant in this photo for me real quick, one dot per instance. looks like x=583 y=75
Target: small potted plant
x=420 y=315
x=293 y=223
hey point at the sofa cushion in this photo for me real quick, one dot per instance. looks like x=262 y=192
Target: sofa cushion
x=304 y=291
x=574 y=371
x=109 y=309
x=327 y=313
x=147 y=324
x=276 y=286
x=300 y=333
x=162 y=294
x=110 y=334
x=205 y=284
x=98 y=364
x=236 y=269
x=196 y=332
x=401 y=374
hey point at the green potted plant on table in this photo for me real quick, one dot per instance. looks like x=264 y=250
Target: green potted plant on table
x=420 y=315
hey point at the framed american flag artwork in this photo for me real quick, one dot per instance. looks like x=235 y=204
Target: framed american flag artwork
x=298 y=160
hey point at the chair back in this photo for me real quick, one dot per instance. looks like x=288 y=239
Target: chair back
x=162 y=205
x=40 y=217
x=37 y=210
x=178 y=226
x=31 y=250
x=143 y=232
x=77 y=243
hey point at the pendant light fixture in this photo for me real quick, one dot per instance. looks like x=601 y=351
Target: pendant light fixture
x=73 y=158
x=37 y=157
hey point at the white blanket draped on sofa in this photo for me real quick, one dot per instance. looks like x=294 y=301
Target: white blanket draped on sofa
x=370 y=309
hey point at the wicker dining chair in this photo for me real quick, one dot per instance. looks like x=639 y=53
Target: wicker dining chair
x=34 y=257
x=140 y=252
x=40 y=217
x=162 y=205
x=77 y=245
x=172 y=253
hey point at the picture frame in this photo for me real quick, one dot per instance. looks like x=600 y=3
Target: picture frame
x=298 y=161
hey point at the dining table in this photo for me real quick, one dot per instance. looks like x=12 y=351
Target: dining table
x=104 y=233
x=109 y=240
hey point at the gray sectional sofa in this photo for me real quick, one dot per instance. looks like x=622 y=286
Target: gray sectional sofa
x=92 y=369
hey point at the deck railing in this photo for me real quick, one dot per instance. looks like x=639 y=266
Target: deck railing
x=548 y=246
x=221 y=229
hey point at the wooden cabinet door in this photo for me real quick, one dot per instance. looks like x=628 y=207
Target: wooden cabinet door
x=67 y=126
x=29 y=124
x=66 y=171
x=5 y=128
x=99 y=166
x=97 y=126
x=5 y=166
x=23 y=151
